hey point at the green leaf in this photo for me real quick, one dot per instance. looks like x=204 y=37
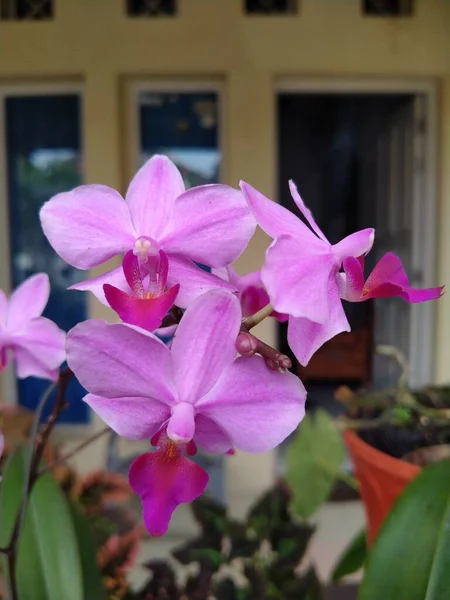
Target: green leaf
x=47 y=564
x=314 y=461
x=353 y=557
x=92 y=579
x=409 y=560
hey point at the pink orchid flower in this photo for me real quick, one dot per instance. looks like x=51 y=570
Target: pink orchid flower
x=300 y=271
x=252 y=294
x=36 y=343
x=147 y=302
x=195 y=393
x=387 y=279
x=209 y=224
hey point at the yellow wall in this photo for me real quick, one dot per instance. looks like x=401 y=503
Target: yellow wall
x=93 y=42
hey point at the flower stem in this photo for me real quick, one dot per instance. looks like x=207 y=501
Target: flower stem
x=78 y=448
x=259 y=316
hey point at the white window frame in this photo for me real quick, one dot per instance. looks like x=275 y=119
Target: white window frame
x=8 y=383
x=423 y=333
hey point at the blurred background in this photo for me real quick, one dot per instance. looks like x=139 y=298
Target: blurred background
x=350 y=98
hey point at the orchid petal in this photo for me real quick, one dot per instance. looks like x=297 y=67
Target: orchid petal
x=357 y=244
x=88 y=225
x=164 y=479
x=255 y=406
x=115 y=277
x=28 y=301
x=147 y=313
x=210 y=437
x=306 y=212
x=118 y=360
x=418 y=295
x=193 y=280
x=2 y=444
x=305 y=337
x=389 y=269
x=3 y=308
x=354 y=280
x=39 y=349
x=211 y=224
x=296 y=278
x=204 y=343
x=273 y=218
x=132 y=418
x=151 y=196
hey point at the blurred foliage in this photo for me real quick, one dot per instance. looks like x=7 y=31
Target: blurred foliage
x=314 y=462
x=409 y=560
x=260 y=558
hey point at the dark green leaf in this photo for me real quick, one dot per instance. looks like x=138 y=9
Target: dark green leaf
x=47 y=557
x=314 y=461
x=409 y=560
x=210 y=515
x=92 y=578
x=353 y=557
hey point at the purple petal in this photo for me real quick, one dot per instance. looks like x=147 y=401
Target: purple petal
x=255 y=406
x=210 y=437
x=306 y=337
x=151 y=196
x=147 y=313
x=2 y=444
x=115 y=277
x=204 y=343
x=3 y=308
x=273 y=218
x=193 y=280
x=211 y=224
x=306 y=212
x=118 y=360
x=88 y=225
x=164 y=479
x=357 y=244
x=296 y=277
x=39 y=349
x=133 y=418
x=28 y=301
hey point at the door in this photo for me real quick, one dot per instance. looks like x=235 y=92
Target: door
x=401 y=205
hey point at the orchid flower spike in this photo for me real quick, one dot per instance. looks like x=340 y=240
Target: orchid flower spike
x=147 y=302
x=34 y=342
x=251 y=292
x=387 y=279
x=195 y=393
x=209 y=224
x=301 y=270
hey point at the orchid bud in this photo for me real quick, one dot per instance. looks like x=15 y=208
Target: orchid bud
x=246 y=344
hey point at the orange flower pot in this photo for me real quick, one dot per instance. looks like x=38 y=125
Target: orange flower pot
x=381 y=479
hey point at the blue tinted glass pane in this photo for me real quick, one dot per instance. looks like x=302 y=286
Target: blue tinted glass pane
x=43 y=158
x=184 y=126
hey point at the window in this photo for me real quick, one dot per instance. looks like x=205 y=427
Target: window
x=151 y=8
x=388 y=8
x=43 y=157
x=271 y=7
x=184 y=126
x=26 y=10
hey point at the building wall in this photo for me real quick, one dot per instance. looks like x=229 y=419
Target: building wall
x=93 y=42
